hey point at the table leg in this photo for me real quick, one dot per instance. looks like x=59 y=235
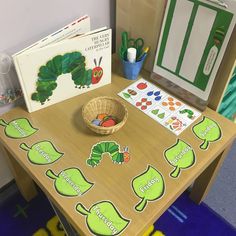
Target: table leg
x=70 y=231
x=25 y=184
x=204 y=182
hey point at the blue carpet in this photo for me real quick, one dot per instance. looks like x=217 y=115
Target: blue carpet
x=183 y=218
x=21 y=218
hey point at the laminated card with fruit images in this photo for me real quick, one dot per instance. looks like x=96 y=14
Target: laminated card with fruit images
x=58 y=71
x=162 y=107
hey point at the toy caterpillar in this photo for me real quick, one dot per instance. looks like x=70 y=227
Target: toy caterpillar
x=107 y=147
x=73 y=63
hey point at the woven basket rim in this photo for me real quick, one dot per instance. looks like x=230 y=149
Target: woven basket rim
x=100 y=127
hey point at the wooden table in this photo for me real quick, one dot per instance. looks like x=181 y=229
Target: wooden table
x=62 y=124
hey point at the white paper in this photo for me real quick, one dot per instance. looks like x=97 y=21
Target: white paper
x=176 y=35
x=197 y=42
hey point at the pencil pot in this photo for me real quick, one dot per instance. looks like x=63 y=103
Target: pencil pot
x=132 y=70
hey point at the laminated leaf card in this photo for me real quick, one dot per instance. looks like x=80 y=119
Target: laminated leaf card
x=72 y=61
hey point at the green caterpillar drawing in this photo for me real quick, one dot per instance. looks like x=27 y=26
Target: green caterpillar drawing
x=110 y=147
x=73 y=63
x=190 y=113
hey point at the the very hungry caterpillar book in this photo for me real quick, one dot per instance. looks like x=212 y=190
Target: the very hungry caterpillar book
x=61 y=70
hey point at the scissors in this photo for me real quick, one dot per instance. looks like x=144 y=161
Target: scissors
x=124 y=45
x=128 y=43
x=136 y=43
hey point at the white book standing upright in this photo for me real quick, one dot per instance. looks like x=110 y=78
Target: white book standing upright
x=67 y=63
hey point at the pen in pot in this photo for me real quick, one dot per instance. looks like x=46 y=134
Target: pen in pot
x=145 y=51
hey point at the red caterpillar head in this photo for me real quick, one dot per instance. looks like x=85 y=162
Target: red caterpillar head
x=126 y=154
x=97 y=72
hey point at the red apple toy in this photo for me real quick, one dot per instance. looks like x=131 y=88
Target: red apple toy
x=108 y=123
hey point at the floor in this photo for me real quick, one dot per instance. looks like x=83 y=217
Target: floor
x=222 y=196
x=37 y=218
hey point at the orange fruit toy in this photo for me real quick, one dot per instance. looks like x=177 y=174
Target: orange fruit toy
x=101 y=116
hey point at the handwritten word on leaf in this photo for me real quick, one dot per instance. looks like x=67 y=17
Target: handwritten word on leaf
x=42 y=153
x=181 y=156
x=70 y=182
x=208 y=131
x=103 y=218
x=18 y=128
x=149 y=186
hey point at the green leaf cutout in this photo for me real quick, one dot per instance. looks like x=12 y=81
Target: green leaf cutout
x=42 y=153
x=149 y=186
x=103 y=218
x=181 y=156
x=18 y=128
x=70 y=182
x=208 y=131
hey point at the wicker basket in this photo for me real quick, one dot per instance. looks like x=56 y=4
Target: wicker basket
x=108 y=105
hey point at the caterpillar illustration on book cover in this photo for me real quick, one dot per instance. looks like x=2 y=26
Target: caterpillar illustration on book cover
x=74 y=63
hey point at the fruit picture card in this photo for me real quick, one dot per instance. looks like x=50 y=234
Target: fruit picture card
x=71 y=66
x=159 y=105
x=193 y=39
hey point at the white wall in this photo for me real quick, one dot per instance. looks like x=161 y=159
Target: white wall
x=26 y=21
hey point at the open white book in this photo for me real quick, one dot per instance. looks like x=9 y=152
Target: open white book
x=67 y=63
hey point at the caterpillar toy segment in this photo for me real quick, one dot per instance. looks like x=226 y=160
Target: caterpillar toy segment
x=112 y=148
x=73 y=63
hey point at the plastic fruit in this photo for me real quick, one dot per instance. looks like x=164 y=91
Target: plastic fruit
x=101 y=116
x=96 y=122
x=108 y=123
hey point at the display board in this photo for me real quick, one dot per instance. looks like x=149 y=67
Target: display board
x=192 y=43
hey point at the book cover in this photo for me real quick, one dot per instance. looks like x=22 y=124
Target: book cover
x=65 y=69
